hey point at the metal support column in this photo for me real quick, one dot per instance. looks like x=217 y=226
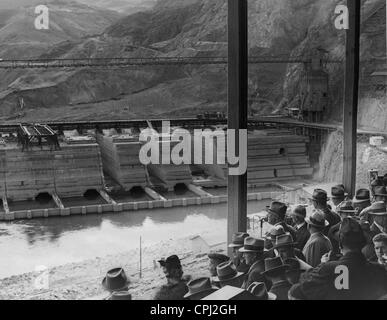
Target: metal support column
x=237 y=107
x=351 y=94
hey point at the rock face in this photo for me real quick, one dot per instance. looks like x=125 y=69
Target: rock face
x=192 y=28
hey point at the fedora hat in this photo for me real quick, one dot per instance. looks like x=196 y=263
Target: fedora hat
x=377 y=209
x=227 y=271
x=299 y=211
x=362 y=195
x=284 y=240
x=253 y=245
x=317 y=219
x=218 y=257
x=171 y=262
x=380 y=191
x=120 y=295
x=338 y=192
x=199 y=286
x=278 y=208
x=238 y=240
x=275 y=232
x=259 y=290
x=115 y=280
x=274 y=265
x=346 y=207
x=352 y=232
x=319 y=195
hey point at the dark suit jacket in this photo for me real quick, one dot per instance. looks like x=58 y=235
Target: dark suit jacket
x=281 y=289
x=333 y=236
x=332 y=217
x=367 y=281
x=302 y=237
x=288 y=228
x=255 y=275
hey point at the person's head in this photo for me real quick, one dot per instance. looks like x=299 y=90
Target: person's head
x=380 y=244
x=252 y=250
x=199 y=289
x=316 y=222
x=298 y=215
x=319 y=199
x=294 y=272
x=362 y=200
x=351 y=235
x=285 y=246
x=380 y=194
x=275 y=269
x=274 y=232
x=346 y=209
x=172 y=269
x=378 y=212
x=216 y=259
x=237 y=243
x=338 y=194
x=276 y=212
x=228 y=275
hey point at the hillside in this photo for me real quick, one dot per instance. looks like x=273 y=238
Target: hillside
x=68 y=21
x=186 y=28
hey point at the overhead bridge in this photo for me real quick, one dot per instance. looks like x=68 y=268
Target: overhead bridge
x=154 y=61
x=189 y=123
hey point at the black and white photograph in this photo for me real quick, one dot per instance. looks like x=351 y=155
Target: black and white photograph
x=186 y=150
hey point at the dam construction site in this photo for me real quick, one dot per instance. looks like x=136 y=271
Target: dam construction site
x=56 y=170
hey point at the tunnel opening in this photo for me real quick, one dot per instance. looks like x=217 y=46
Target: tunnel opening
x=91 y=194
x=43 y=198
x=180 y=189
x=137 y=192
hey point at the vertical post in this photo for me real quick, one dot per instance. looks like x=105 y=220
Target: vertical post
x=237 y=108
x=351 y=94
x=140 y=257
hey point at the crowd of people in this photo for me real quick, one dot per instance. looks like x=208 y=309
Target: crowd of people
x=338 y=251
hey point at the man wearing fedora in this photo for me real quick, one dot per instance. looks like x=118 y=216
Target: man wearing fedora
x=176 y=286
x=344 y=209
x=366 y=281
x=116 y=280
x=318 y=244
x=259 y=290
x=275 y=271
x=215 y=260
x=238 y=239
x=378 y=214
x=199 y=289
x=228 y=275
x=320 y=202
x=380 y=194
x=302 y=233
x=270 y=238
x=285 y=246
x=254 y=254
x=338 y=195
x=276 y=215
x=361 y=200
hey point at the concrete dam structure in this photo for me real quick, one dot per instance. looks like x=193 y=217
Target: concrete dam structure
x=83 y=164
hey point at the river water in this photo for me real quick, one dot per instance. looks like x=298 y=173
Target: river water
x=26 y=244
